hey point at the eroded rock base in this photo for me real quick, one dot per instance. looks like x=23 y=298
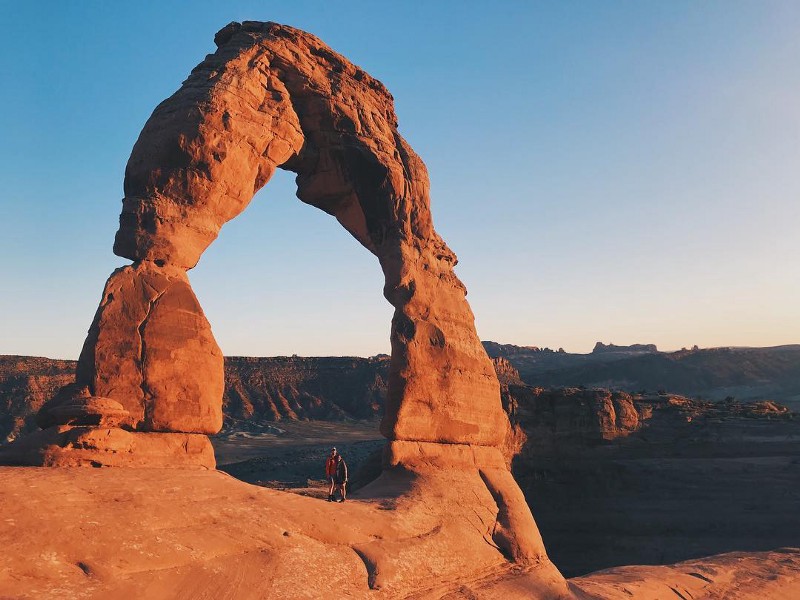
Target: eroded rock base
x=514 y=530
x=187 y=534
x=69 y=446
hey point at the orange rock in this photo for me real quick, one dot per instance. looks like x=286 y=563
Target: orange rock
x=191 y=533
x=67 y=446
x=273 y=96
x=270 y=97
x=151 y=349
x=90 y=411
x=515 y=532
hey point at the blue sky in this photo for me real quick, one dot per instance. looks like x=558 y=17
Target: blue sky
x=615 y=171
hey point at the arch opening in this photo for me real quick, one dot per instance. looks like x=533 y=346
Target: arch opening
x=284 y=278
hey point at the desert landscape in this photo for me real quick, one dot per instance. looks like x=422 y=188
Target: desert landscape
x=613 y=478
x=155 y=466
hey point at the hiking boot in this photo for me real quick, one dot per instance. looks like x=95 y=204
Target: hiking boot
x=330 y=498
x=341 y=499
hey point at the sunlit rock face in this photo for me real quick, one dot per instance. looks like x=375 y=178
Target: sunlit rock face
x=273 y=96
x=151 y=348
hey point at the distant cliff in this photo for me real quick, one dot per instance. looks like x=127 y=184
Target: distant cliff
x=259 y=390
x=26 y=382
x=328 y=388
x=714 y=373
x=632 y=349
x=256 y=389
x=549 y=421
x=606 y=473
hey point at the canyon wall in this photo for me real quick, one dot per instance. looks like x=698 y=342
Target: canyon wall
x=261 y=390
x=714 y=373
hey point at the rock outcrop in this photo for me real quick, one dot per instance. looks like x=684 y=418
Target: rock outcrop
x=600 y=348
x=572 y=416
x=507 y=374
x=150 y=347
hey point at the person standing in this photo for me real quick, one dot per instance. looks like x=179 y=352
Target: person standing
x=330 y=473
x=340 y=477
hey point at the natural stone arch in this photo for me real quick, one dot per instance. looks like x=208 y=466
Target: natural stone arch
x=273 y=96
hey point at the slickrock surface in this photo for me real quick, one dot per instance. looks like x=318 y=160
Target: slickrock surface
x=774 y=575
x=182 y=534
x=158 y=533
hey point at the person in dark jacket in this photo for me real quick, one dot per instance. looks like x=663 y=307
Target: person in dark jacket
x=340 y=477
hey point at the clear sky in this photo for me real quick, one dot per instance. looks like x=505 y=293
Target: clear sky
x=616 y=171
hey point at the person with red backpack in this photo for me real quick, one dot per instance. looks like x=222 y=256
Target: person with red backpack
x=330 y=472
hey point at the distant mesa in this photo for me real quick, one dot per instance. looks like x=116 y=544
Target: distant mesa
x=495 y=349
x=600 y=347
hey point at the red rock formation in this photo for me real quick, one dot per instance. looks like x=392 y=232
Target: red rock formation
x=572 y=416
x=81 y=446
x=507 y=374
x=150 y=347
x=293 y=387
x=273 y=96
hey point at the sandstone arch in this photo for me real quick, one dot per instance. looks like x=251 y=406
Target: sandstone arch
x=272 y=96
